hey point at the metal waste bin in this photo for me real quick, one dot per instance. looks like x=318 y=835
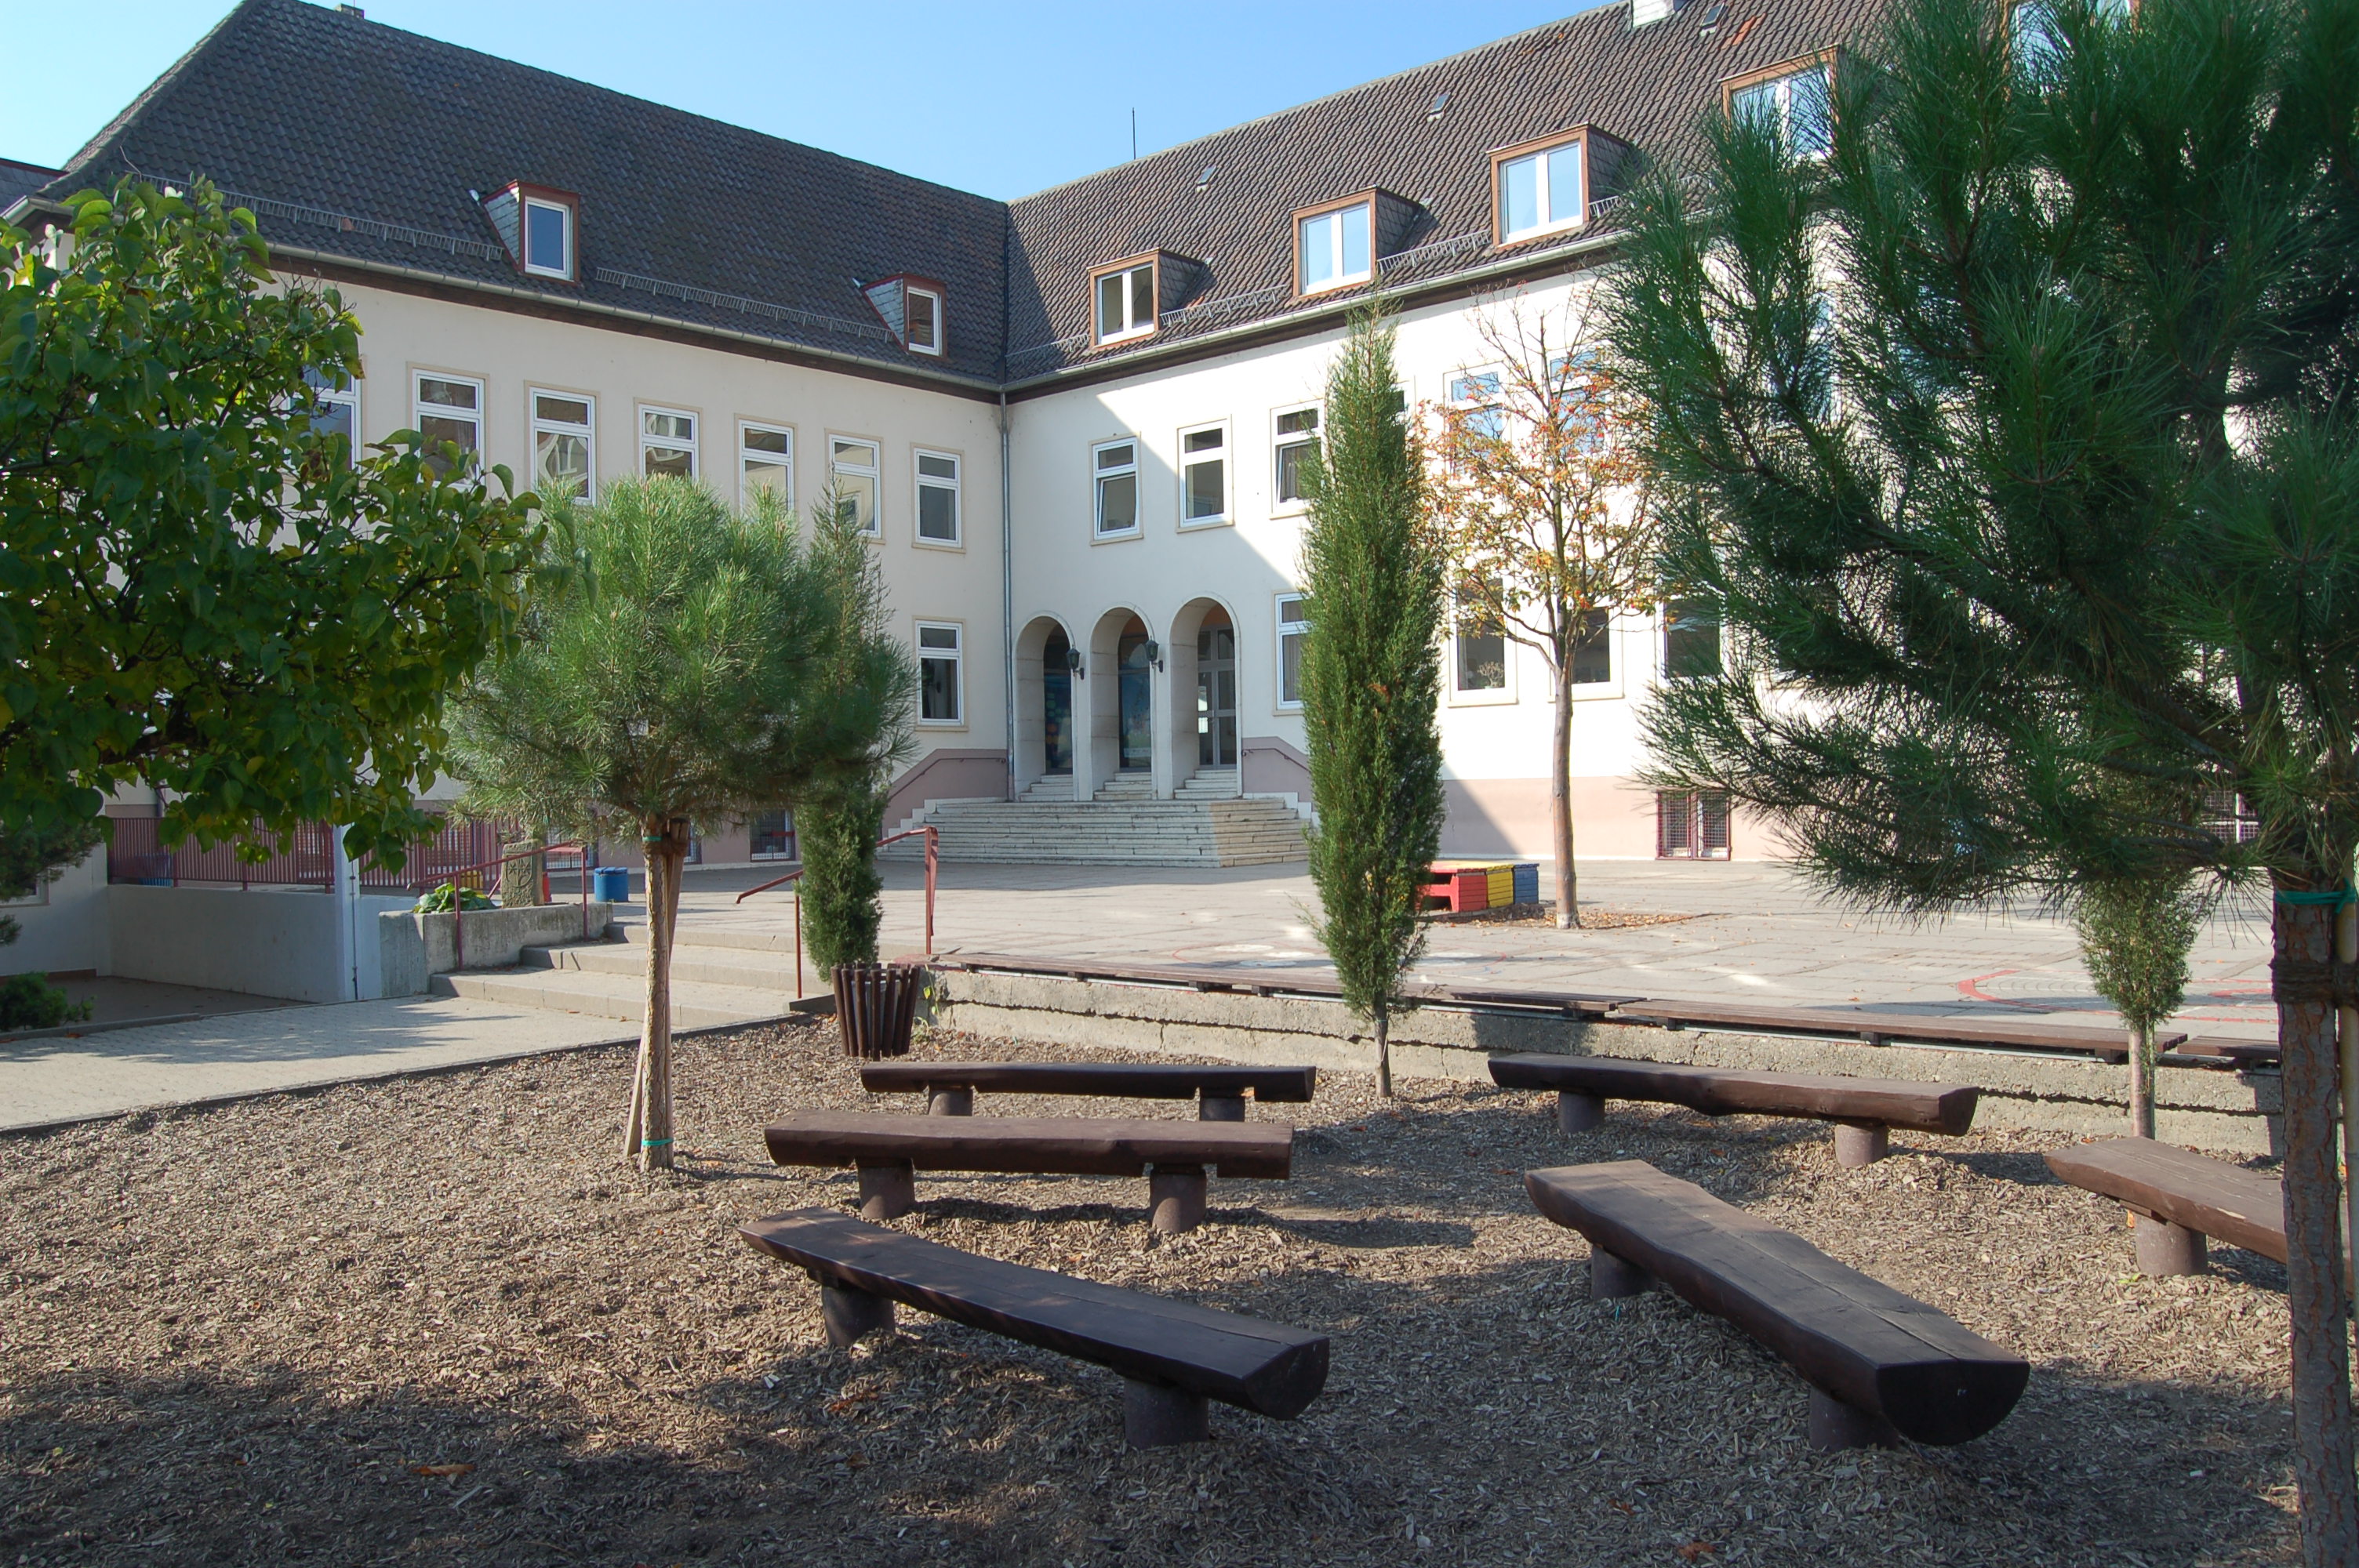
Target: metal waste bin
x=611 y=884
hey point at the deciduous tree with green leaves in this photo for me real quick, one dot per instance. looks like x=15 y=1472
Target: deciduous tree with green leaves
x=679 y=664
x=1371 y=683
x=2016 y=435
x=202 y=590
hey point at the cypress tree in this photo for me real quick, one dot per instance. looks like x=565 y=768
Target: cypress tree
x=1371 y=684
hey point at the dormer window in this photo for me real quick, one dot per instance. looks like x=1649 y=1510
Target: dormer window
x=1791 y=99
x=539 y=227
x=912 y=307
x=1124 y=295
x=1335 y=246
x=1541 y=189
x=925 y=330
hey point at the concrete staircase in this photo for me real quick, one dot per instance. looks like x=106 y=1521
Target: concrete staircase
x=718 y=975
x=1123 y=825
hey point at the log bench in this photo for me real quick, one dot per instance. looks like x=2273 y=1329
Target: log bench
x=1864 y=1110
x=2177 y=1199
x=1880 y=1365
x=888 y=1150
x=950 y=1088
x=1172 y=1356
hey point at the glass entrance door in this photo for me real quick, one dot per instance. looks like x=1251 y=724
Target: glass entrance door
x=1216 y=694
x=1057 y=703
x=1137 y=701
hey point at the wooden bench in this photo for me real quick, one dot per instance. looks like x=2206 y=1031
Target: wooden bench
x=1882 y=1365
x=1864 y=1110
x=1172 y=1356
x=2178 y=1199
x=889 y=1150
x=1220 y=1092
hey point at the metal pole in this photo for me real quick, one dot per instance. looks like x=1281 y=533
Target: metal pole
x=932 y=839
x=798 y=941
x=2346 y=1037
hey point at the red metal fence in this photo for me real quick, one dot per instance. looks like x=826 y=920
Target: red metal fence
x=304 y=858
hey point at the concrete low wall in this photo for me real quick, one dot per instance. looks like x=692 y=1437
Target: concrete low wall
x=267 y=941
x=62 y=926
x=411 y=947
x=2233 y=1112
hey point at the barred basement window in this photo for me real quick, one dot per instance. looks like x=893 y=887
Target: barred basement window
x=2229 y=817
x=1690 y=825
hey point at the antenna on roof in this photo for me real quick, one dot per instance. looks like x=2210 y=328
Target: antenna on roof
x=1134 y=135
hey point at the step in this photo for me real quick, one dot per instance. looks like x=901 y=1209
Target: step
x=688 y=933
x=692 y=964
x=619 y=997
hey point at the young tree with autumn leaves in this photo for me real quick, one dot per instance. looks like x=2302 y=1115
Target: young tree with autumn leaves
x=1541 y=503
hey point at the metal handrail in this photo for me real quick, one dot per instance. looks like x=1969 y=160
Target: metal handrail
x=933 y=859
x=459 y=901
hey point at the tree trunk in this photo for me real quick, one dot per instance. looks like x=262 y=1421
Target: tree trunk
x=2142 y=1080
x=1568 y=888
x=2314 y=1277
x=1383 y=1054
x=666 y=846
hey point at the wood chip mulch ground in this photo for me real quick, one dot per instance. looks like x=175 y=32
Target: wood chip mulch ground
x=436 y=1320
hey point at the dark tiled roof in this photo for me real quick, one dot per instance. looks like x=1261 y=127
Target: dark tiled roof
x=21 y=179
x=1646 y=85
x=328 y=117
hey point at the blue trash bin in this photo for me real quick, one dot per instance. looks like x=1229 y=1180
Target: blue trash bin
x=611 y=884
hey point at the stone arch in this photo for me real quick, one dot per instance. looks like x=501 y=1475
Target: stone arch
x=1121 y=701
x=1045 y=696
x=1205 y=667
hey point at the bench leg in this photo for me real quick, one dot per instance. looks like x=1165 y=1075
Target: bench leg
x=2165 y=1249
x=1861 y=1143
x=888 y=1189
x=1836 y=1425
x=850 y=1314
x=1175 y=1197
x=1578 y=1112
x=950 y=1102
x=1156 y=1416
x=1609 y=1276
x=1221 y=1107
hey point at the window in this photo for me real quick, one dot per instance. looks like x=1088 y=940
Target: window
x=923 y=329
x=666 y=443
x=770 y=835
x=2037 y=39
x=940 y=686
x=766 y=457
x=1472 y=414
x=1116 y=464
x=1690 y=640
x=1540 y=190
x=548 y=238
x=938 y=498
x=449 y=409
x=853 y=468
x=1690 y=825
x=1204 y=475
x=562 y=430
x=1295 y=436
x=1479 y=653
x=1793 y=102
x=1293 y=621
x=1333 y=249
x=1474 y=386
x=1125 y=301
x=1592 y=650
x=335 y=412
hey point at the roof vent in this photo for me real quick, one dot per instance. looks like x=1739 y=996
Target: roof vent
x=1205 y=178
x=1440 y=102
x=354 y=12
x=1645 y=13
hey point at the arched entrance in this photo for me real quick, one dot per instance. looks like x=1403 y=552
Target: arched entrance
x=1118 y=686
x=1044 y=686
x=1133 y=656
x=1205 y=680
x=1057 y=704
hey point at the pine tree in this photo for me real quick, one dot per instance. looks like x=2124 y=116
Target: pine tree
x=2015 y=437
x=2135 y=938
x=1371 y=684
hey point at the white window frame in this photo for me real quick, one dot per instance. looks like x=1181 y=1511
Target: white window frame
x=957 y=655
x=1132 y=328
x=1617 y=662
x=784 y=463
x=1782 y=79
x=534 y=426
x=691 y=444
x=347 y=397
x=1500 y=696
x=524 y=236
x=1278 y=671
x=1366 y=208
x=872 y=471
x=1280 y=506
x=941 y=329
x=1543 y=193
x=1663 y=671
x=1228 y=511
x=418 y=405
x=921 y=482
x=1099 y=475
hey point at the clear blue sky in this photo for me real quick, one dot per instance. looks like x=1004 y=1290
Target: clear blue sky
x=998 y=98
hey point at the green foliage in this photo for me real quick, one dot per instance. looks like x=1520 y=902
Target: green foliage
x=198 y=590
x=843 y=906
x=1371 y=680
x=30 y=1001
x=679 y=660
x=2135 y=938
x=448 y=897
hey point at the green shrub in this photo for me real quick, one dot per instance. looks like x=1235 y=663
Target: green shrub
x=29 y=1002
x=442 y=899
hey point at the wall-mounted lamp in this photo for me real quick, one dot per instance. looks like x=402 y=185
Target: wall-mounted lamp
x=1154 y=652
x=1074 y=663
